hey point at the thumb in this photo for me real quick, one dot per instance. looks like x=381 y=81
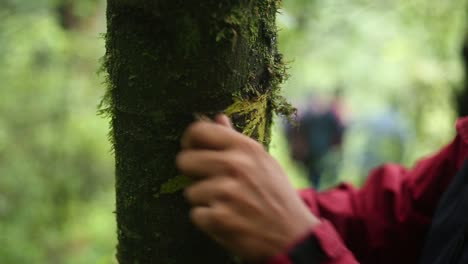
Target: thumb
x=223 y=120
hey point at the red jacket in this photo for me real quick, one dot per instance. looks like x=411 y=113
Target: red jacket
x=386 y=220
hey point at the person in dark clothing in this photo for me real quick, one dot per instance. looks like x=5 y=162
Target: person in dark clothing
x=243 y=200
x=321 y=131
x=318 y=133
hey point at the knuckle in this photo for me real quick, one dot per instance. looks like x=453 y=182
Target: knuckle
x=229 y=163
x=243 y=164
x=252 y=146
x=237 y=163
x=256 y=147
x=194 y=129
x=248 y=162
x=229 y=189
x=219 y=218
x=234 y=164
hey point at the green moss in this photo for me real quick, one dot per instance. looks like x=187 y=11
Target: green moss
x=256 y=113
x=253 y=111
x=281 y=106
x=238 y=23
x=173 y=185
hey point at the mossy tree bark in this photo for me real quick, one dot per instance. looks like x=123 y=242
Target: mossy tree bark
x=166 y=61
x=462 y=97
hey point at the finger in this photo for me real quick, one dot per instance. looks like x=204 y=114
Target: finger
x=201 y=163
x=211 y=219
x=215 y=222
x=209 y=135
x=209 y=192
x=201 y=117
x=202 y=217
x=223 y=120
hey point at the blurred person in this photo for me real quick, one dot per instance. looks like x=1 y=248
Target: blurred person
x=316 y=141
x=242 y=199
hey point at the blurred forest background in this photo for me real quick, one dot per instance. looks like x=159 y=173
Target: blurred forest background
x=56 y=167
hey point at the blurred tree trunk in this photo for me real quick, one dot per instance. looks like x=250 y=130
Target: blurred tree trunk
x=462 y=97
x=166 y=61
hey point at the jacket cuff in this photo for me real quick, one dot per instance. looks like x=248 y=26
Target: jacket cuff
x=329 y=240
x=320 y=245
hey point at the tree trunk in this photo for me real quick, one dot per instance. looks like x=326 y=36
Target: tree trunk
x=168 y=60
x=462 y=97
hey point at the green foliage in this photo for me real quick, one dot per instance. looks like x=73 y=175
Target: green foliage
x=173 y=185
x=254 y=112
x=381 y=53
x=57 y=174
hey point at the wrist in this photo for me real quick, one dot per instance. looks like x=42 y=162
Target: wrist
x=304 y=223
x=297 y=231
x=288 y=253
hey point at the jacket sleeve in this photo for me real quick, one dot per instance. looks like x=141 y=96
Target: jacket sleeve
x=390 y=213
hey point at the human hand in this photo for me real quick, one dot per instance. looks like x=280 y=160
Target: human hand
x=240 y=196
